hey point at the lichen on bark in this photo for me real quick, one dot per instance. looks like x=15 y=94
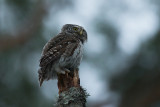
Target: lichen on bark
x=75 y=96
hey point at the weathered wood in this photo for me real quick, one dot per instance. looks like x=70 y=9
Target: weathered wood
x=71 y=94
x=68 y=80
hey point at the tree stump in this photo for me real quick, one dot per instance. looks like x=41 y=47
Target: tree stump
x=71 y=94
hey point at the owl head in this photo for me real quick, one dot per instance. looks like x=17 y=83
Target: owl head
x=75 y=29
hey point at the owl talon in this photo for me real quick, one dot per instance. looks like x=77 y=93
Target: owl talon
x=64 y=71
x=61 y=72
x=67 y=70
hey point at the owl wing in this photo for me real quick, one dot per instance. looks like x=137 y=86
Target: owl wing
x=53 y=42
x=58 y=48
x=53 y=50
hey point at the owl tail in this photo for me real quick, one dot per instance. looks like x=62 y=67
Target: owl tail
x=40 y=77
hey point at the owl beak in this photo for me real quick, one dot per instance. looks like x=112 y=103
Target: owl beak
x=81 y=32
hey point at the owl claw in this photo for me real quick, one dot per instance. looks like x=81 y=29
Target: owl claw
x=67 y=70
x=61 y=72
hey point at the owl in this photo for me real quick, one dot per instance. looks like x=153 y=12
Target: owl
x=62 y=53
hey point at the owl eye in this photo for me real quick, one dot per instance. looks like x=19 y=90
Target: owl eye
x=75 y=28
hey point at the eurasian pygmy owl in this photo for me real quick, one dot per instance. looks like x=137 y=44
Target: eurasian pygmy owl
x=63 y=52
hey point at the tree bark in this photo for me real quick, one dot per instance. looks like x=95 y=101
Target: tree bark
x=71 y=94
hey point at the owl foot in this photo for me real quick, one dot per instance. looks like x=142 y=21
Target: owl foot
x=63 y=71
x=66 y=70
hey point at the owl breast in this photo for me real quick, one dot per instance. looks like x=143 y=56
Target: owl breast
x=72 y=61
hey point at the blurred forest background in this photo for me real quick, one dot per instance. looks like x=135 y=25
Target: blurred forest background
x=121 y=63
